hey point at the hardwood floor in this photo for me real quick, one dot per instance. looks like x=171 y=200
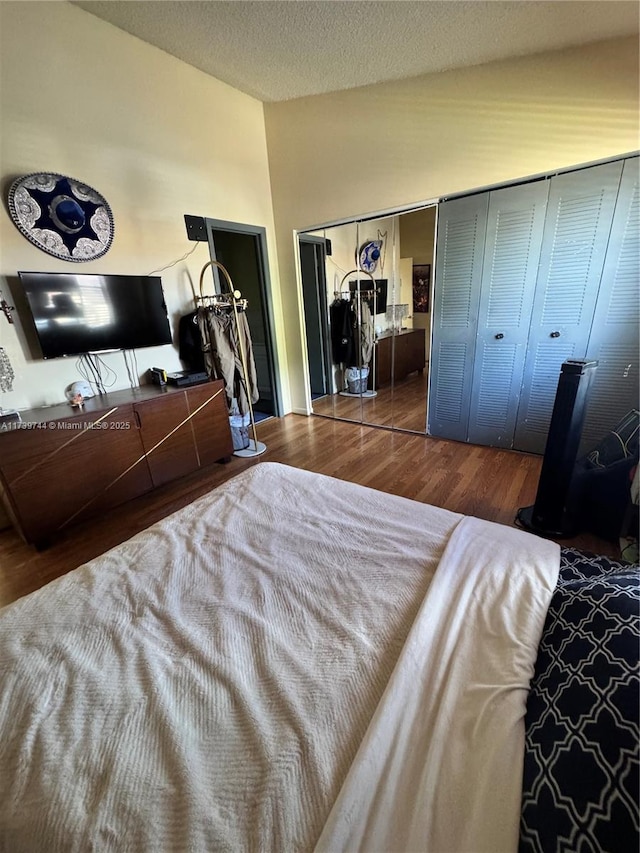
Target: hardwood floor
x=402 y=405
x=481 y=481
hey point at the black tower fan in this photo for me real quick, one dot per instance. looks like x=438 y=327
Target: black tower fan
x=549 y=515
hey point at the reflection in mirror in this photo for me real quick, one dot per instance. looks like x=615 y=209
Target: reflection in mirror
x=381 y=233
x=313 y=251
x=366 y=301
x=416 y=240
x=340 y=336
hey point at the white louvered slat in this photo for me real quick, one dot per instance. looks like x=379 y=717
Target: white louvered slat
x=624 y=301
x=495 y=393
x=571 y=259
x=448 y=398
x=577 y=230
x=614 y=339
x=544 y=384
x=458 y=269
x=509 y=268
x=614 y=391
x=459 y=251
x=512 y=251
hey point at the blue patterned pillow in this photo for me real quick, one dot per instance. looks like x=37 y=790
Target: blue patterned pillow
x=581 y=767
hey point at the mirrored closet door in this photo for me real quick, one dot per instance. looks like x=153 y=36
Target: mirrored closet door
x=367 y=291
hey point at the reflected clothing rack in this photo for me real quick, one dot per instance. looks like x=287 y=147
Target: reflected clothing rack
x=227 y=349
x=352 y=328
x=364 y=323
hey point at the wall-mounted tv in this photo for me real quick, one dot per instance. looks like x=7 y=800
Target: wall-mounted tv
x=80 y=313
x=366 y=286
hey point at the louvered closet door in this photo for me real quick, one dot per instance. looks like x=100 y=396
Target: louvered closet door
x=577 y=228
x=614 y=334
x=459 y=252
x=515 y=227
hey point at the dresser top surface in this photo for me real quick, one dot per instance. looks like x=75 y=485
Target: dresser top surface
x=98 y=403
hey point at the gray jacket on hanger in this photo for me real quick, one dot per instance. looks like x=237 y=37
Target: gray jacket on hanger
x=222 y=357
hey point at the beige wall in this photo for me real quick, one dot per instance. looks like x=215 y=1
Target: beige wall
x=392 y=145
x=417 y=238
x=156 y=137
x=160 y=139
x=417 y=235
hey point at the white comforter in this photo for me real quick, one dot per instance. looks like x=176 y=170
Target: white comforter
x=208 y=684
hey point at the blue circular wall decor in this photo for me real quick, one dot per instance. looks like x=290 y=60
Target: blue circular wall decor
x=368 y=255
x=62 y=216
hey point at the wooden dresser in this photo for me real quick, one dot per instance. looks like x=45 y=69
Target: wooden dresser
x=61 y=465
x=409 y=355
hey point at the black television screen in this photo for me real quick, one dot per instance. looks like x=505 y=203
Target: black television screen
x=81 y=313
x=366 y=286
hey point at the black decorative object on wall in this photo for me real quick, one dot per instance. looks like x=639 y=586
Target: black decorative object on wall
x=61 y=216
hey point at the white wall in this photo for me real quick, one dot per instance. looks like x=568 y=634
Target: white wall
x=160 y=139
x=156 y=137
x=417 y=238
x=338 y=156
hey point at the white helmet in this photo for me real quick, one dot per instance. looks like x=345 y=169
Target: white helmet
x=80 y=387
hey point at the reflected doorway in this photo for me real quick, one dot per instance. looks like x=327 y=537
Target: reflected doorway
x=314 y=290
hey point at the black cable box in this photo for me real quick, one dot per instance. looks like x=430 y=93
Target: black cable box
x=187 y=377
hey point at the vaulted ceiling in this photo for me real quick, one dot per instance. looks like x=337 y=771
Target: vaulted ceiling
x=276 y=50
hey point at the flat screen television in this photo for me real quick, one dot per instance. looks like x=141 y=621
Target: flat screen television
x=81 y=313
x=381 y=293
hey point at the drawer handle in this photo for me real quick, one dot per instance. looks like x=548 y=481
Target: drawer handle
x=554 y=335
x=499 y=336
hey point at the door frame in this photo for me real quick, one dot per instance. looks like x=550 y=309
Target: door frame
x=259 y=232
x=322 y=301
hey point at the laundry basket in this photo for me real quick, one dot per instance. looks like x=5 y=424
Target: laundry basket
x=239 y=431
x=357 y=378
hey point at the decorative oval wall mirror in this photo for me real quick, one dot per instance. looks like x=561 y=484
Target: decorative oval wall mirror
x=61 y=216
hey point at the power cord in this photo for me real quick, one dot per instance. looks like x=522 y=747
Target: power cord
x=91 y=367
x=126 y=364
x=102 y=365
x=85 y=370
x=177 y=261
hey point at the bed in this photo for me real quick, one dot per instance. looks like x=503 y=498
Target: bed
x=298 y=663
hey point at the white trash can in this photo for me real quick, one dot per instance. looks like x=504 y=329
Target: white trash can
x=240 y=431
x=357 y=378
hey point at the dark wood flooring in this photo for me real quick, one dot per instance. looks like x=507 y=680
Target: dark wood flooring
x=480 y=481
x=402 y=405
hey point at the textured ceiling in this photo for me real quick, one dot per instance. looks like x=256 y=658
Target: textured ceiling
x=281 y=49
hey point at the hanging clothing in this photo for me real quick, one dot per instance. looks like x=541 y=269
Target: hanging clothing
x=190 y=342
x=342 y=323
x=222 y=357
x=245 y=335
x=367 y=332
x=352 y=332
